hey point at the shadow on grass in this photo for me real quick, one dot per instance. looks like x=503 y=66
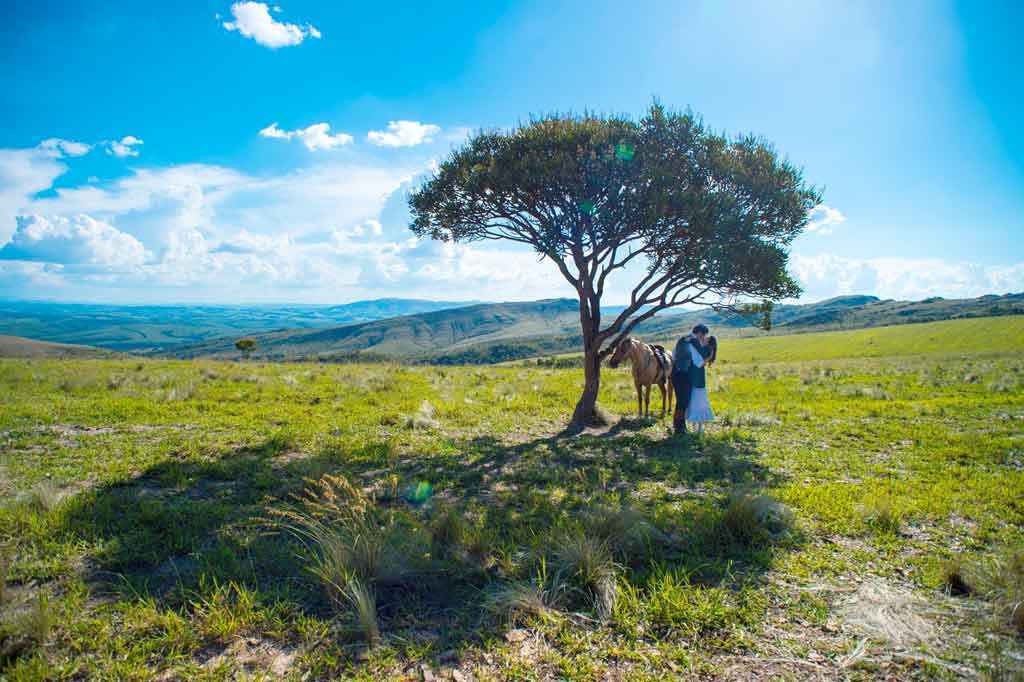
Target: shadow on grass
x=183 y=525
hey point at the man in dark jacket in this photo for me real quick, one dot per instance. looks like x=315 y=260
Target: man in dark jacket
x=685 y=374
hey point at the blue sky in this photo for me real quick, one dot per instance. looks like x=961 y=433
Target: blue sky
x=245 y=152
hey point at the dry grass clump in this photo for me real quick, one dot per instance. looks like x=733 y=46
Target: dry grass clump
x=521 y=602
x=1005 y=384
x=423 y=419
x=750 y=419
x=749 y=518
x=180 y=392
x=997 y=578
x=869 y=392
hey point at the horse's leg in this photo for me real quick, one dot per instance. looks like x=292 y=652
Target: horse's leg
x=661 y=387
x=639 y=400
x=647 y=400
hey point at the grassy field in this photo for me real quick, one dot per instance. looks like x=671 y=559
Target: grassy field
x=848 y=517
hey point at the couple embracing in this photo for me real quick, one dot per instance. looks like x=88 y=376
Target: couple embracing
x=693 y=353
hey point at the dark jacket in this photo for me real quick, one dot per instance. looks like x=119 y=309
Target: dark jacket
x=683 y=363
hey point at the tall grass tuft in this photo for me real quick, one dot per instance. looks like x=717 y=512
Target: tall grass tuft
x=997 y=578
x=882 y=516
x=360 y=596
x=626 y=531
x=423 y=419
x=587 y=562
x=44 y=497
x=449 y=531
x=351 y=546
x=749 y=518
x=38 y=622
x=5 y=570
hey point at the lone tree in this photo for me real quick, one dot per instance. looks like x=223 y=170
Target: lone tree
x=693 y=217
x=245 y=346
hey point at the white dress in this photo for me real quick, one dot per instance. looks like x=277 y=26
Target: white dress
x=699 y=409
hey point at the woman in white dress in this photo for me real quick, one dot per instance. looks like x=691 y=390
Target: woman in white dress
x=699 y=410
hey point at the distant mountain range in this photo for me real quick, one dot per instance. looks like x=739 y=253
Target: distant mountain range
x=429 y=331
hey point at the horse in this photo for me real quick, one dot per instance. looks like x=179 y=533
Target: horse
x=651 y=364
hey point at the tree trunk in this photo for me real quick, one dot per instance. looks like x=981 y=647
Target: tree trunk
x=585 y=413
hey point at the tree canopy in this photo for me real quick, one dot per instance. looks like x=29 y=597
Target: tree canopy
x=709 y=217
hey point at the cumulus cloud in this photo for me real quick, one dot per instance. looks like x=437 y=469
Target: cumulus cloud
x=403 y=134
x=316 y=136
x=253 y=20
x=23 y=173
x=827 y=275
x=124 y=147
x=822 y=219
x=56 y=147
x=75 y=240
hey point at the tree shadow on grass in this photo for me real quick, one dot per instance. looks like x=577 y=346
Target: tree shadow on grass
x=183 y=525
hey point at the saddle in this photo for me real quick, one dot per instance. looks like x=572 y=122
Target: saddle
x=664 y=361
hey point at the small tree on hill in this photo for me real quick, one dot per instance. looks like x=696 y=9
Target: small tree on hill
x=245 y=346
x=694 y=217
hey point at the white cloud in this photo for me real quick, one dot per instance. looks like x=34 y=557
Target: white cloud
x=403 y=134
x=124 y=147
x=827 y=275
x=822 y=219
x=76 y=240
x=253 y=20
x=316 y=136
x=56 y=147
x=23 y=173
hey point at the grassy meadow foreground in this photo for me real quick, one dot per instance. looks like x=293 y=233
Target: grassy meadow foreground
x=847 y=516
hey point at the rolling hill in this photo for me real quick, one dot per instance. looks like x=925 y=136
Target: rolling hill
x=409 y=336
x=18 y=347
x=498 y=332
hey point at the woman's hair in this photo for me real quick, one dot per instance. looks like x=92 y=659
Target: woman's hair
x=713 y=345
x=699 y=329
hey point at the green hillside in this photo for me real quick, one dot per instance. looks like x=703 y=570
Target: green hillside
x=18 y=347
x=969 y=337
x=406 y=336
x=501 y=332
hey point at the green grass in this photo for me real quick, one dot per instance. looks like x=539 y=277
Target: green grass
x=146 y=510
x=949 y=337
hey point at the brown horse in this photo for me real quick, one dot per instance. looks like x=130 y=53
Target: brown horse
x=651 y=365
